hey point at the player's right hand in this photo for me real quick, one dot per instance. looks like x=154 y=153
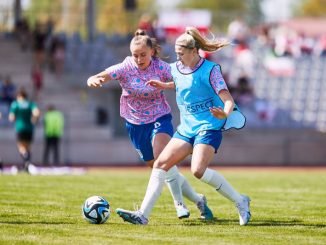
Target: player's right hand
x=95 y=82
x=156 y=84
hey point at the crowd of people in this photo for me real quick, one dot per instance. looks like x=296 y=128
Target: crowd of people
x=47 y=46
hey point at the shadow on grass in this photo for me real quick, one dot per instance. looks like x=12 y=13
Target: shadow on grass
x=198 y=222
x=35 y=223
x=284 y=223
x=261 y=223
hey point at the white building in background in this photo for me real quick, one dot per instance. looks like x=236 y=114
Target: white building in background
x=274 y=10
x=168 y=3
x=278 y=10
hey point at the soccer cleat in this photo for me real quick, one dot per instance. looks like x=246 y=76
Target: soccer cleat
x=134 y=217
x=182 y=211
x=205 y=212
x=244 y=211
x=32 y=169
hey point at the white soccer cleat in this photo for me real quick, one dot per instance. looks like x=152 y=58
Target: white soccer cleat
x=205 y=212
x=182 y=211
x=243 y=210
x=134 y=217
x=32 y=169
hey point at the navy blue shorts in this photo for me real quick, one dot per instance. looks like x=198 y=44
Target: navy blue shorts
x=207 y=137
x=141 y=135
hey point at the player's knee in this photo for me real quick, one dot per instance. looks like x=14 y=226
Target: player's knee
x=158 y=164
x=161 y=165
x=197 y=172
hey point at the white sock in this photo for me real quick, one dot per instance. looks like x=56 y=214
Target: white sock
x=154 y=189
x=187 y=189
x=215 y=179
x=178 y=186
x=173 y=182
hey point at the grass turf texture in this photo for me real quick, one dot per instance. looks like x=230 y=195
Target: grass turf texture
x=288 y=207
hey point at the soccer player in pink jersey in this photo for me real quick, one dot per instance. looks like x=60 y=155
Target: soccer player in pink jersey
x=147 y=113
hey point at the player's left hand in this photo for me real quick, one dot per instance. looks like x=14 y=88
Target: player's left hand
x=218 y=112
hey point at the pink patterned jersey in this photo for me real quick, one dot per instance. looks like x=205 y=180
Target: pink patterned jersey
x=141 y=104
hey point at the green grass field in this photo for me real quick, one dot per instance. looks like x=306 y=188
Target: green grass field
x=288 y=207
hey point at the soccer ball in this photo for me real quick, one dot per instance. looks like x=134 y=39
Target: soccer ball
x=96 y=210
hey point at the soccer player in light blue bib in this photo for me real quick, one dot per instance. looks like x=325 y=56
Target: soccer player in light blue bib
x=206 y=109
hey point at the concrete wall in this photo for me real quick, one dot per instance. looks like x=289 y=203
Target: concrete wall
x=273 y=147
x=245 y=147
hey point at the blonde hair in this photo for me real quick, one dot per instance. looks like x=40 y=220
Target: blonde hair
x=192 y=38
x=141 y=38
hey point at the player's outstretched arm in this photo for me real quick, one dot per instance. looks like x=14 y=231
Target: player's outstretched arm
x=222 y=113
x=160 y=84
x=97 y=80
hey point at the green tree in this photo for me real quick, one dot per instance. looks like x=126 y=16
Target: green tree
x=68 y=15
x=313 y=8
x=113 y=18
x=42 y=10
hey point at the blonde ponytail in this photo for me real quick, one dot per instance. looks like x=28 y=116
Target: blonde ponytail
x=192 y=38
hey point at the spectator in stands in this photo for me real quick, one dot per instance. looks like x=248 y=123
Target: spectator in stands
x=146 y=23
x=238 y=31
x=265 y=109
x=244 y=63
x=49 y=26
x=25 y=115
x=23 y=33
x=8 y=91
x=321 y=46
x=37 y=80
x=59 y=58
x=243 y=94
x=147 y=113
x=57 y=53
x=205 y=106
x=53 y=131
x=39 y=36
x=307 y=44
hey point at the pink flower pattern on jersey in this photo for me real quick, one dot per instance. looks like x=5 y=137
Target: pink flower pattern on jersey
x=141 y=104
x=216 y=79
